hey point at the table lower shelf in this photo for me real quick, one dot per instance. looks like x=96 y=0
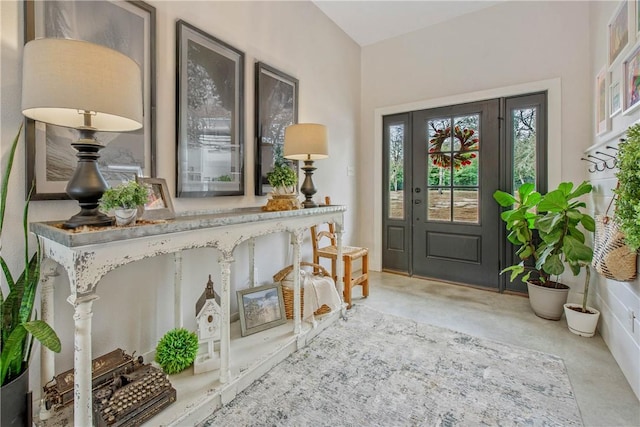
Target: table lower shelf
x=250 y=357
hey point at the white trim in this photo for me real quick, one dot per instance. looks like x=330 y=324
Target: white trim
x=554 y=154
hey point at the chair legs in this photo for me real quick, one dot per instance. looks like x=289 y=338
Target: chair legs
x=350 y=282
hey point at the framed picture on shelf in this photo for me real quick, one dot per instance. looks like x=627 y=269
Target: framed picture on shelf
x=615 y=98
x=210 y=122
x=260 y=308
x=276 y=108
x=602 y=119
x=631 y=90
x=159 y=205
x=618 y=31
x=127 y=27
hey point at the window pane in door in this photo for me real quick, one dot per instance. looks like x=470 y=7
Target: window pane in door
x=439 y=208
x=467 y=173
x=465 y=205
x=396 y=171
x=524 y=146
x=439 y=175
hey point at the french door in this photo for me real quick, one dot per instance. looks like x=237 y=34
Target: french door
x=441 y=167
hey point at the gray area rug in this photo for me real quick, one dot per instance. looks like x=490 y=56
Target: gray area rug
x=376 y=369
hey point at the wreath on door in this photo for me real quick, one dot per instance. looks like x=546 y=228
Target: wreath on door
x=461 y=157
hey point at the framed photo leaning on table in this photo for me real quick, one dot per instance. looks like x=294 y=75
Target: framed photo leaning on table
x=159 y=205
x=260 y=308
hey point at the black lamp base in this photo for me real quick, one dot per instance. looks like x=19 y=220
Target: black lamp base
x=87 y=184
x=308 y=189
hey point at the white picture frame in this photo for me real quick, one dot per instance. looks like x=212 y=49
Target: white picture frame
x=601 y=116
x=618 y=32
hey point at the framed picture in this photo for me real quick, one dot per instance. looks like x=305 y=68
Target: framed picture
x=159 y=205
x=602 y=119
x=210 y=122
x=260 y=308
x=615 y=97
x=637 y=18
x=128 y=27
x=276 y=108
x=618 y=32
x=632 y=81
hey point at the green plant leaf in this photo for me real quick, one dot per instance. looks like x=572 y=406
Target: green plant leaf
x=12 y=350
x=584 y=188
x=44 y=333
x=553 y=265
x=504 y=199
x=565 y=188
x=554 y=201
x=5 y=178
x=588 y=223
x=576 y=251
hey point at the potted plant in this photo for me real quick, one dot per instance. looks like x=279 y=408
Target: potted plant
x=19 y=325
x=627 y=214
x=546 y=230
x=124 y=200
x=283 y=179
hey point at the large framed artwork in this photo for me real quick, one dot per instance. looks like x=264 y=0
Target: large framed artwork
x=631 y=89
x=618 y=32
x=128 y=27
x=210 y=109
x=276 y=108
x=602 y=120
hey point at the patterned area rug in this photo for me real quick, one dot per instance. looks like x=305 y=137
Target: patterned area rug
x=376 y=369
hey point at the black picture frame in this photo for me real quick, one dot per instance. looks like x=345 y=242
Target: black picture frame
x=210 y=116
x=260 y=308
x=128 y=27
x=276 y=100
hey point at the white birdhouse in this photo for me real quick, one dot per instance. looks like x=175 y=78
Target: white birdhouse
x=208 y=318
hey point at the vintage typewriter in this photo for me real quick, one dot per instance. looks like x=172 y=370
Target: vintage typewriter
x=58 y=393
x=131 y=399
x=126 y=392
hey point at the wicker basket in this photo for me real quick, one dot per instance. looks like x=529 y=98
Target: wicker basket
x=287 y=292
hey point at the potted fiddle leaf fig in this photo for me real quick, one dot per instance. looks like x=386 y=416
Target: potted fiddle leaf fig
x=20 y=325
x=124 y=200
x=548 y=231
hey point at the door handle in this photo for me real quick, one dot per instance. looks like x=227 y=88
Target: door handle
x=417 y=202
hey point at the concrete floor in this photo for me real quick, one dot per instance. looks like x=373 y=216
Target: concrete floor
x=602 y=392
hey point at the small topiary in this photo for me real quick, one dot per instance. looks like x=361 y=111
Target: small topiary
x=177 y=350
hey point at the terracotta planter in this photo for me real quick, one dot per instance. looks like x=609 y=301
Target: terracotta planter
x=14 y=402
x=125 y=216
x=583 y=324
x=547 y=302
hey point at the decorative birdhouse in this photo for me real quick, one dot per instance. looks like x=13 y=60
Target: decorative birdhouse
x=208 y=318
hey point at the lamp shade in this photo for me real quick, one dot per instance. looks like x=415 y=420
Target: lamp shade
x=306 y=141
x=62 y=78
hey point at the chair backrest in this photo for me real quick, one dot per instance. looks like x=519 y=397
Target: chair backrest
x=317 y=235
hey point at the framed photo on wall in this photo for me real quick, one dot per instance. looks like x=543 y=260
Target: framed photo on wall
x=618 y=31
x=128 y=27
x=210 y=108
x=260 y=308
x=631 y=90
x=276 y=108
x=615 y=99
x=159 y=205
x=602 y=119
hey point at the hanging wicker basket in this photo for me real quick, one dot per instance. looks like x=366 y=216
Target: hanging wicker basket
x=287 y=288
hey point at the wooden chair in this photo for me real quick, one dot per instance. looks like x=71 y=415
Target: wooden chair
x=349 y=254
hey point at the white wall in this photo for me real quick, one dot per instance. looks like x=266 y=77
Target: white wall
x=614 y=299
x=135 y=305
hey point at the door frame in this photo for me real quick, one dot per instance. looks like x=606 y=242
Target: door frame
x=554 y=133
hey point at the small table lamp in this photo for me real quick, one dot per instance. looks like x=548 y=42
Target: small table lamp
x=307 y=142
x=87 y=87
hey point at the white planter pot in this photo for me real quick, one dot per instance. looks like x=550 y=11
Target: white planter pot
x=583 y=324
x=126 y=216
x=547 y=302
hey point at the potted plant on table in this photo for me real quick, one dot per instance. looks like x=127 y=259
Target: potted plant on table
x=124 y=200
x=283 y=179
x=546 y=230
x=19 y=325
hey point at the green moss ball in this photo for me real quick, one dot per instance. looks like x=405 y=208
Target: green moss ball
x=177 y=350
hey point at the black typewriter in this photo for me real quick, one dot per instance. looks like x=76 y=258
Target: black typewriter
x=133 y=398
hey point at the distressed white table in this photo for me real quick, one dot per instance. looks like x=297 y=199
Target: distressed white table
x=88 y=256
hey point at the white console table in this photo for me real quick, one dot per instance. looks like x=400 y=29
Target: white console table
x=88 y=256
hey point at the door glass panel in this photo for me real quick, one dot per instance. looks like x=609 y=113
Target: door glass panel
x=467 y=173
x=524 y=146
x=396 y=171
x=439 y=175
x=439 y=204
x=439 y=131
x=465 y=205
